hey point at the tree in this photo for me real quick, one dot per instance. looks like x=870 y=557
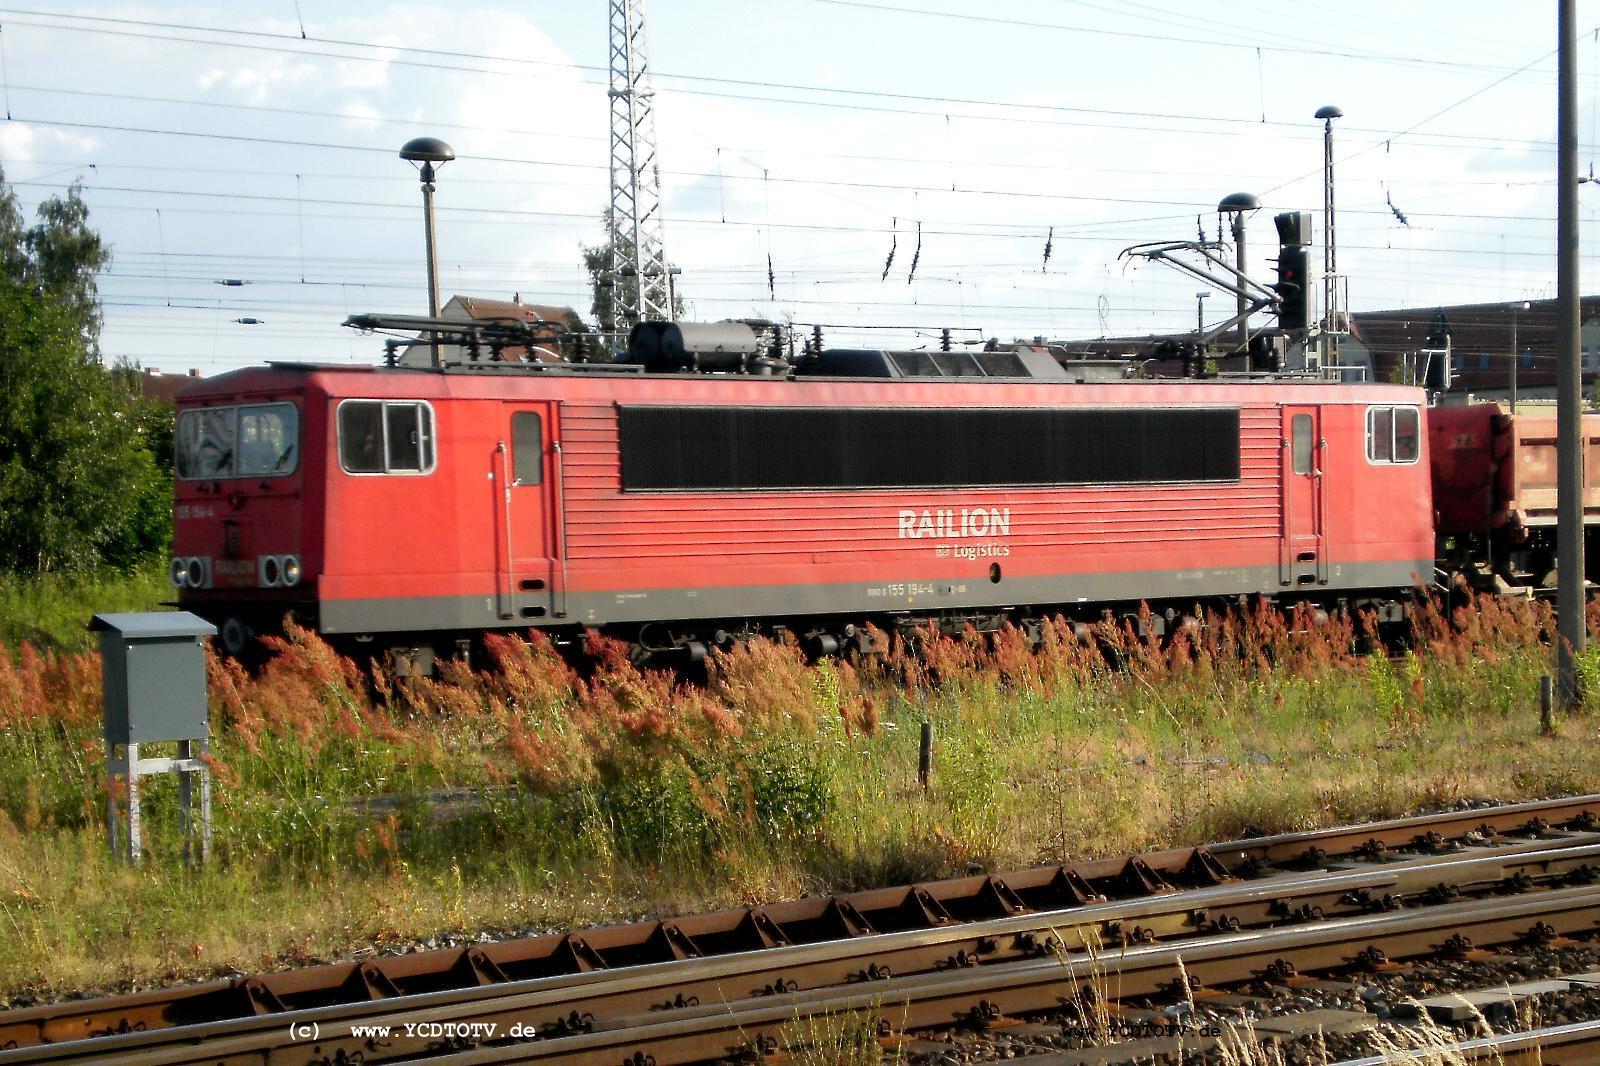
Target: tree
x=597 y=261
x=79 y=481
x=64 y=257
x=59 y=257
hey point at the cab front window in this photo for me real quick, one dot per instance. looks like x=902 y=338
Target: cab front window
x=248 y=440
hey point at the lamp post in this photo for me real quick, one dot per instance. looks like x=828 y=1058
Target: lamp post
x=1236 y=204
x=429 y=151
x=1328 y=250
x=1516 y=353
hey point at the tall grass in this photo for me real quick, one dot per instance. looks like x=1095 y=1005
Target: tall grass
x=53 y=610
x=353 y=808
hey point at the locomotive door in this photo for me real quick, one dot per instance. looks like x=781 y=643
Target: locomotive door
x=1301 y=546
x=525 y=473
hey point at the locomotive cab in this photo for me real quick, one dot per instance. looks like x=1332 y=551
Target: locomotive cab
x=389 y=508
x=240 y=558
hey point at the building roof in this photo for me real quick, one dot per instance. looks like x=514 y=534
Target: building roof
x=480 y=309
x=552 y=337
x=154 y=385
x=1482 y=338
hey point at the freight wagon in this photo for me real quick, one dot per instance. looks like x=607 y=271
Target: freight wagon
x=1494 y=488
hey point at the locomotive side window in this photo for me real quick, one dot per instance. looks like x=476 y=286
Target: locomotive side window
x=385 y=437
x=1380 y=434
x=527 y=448
x=735 y=448
x=408 y=440
x=1407 y=441
x=1300 y=435
x=361 y=437
x=254 y=440
x=1393 y=435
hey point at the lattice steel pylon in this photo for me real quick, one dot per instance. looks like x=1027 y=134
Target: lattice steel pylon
x=642 y=289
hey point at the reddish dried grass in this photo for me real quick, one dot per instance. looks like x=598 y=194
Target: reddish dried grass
x=59 y=686
x=535 y=721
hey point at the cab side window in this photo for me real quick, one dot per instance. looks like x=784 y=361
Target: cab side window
x=1407 y=438
x=385 y=437
x=1394 y=435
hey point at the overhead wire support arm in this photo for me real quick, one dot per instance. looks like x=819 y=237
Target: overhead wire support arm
x=1232 y=279
x=1252 y=296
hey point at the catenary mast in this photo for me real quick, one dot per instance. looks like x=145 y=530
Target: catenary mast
x=641 y=284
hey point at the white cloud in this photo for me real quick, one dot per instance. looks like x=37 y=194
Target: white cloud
x=257 y=85
x=16 y=142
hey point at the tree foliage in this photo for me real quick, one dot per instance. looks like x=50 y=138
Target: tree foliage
x=80 y=481
x=597 y=261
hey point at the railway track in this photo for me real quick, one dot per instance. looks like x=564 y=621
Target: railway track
x=904 y=944
x=806 y=921
x=1573 y=1044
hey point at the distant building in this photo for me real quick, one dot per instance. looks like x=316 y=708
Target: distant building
x=555 y=329
x=477 y=308
x=154 y=385
x=1483 y=341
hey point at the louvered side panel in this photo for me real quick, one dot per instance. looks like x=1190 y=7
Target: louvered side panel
x=604 y=523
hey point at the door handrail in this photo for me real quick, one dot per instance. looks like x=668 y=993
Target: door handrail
x=560 y=604
x=501 y=474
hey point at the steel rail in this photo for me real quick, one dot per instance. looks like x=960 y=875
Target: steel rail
x=556 y=1005
x=752 y=1028
x=811 y=920
x=1572 y=1044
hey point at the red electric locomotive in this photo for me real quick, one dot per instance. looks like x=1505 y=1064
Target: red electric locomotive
x=410 y=508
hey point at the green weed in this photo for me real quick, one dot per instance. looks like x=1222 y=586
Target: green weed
x=524 y=796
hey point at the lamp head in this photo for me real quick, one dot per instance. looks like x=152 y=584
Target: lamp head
x=1237 y=202
x=427 y=150
x=1329 y=112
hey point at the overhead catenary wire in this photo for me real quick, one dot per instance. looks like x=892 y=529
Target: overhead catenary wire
x=769 y=180
x=310 y=265
x=1246 y=126
x=290 y=44
x=937 y=102
x=1386 y=142
x=1299 y=50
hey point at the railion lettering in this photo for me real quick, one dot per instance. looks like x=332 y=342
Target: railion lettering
x=955 y=523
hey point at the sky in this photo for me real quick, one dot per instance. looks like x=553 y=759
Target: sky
x=259 y=143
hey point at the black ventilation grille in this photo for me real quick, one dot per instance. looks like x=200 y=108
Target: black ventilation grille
x=736 y=448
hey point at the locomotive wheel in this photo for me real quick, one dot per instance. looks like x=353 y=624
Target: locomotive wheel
x=234 y=636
